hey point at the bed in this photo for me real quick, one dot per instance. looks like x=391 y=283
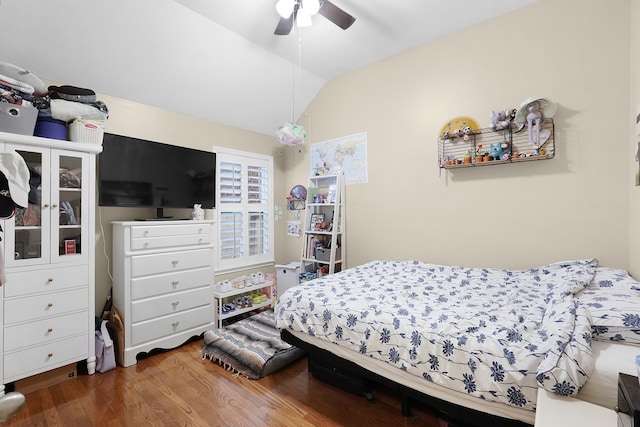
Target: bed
x=478 y=339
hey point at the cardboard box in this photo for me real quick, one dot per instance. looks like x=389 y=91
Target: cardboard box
x=46 y=379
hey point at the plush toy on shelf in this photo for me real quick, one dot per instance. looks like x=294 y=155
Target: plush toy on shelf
x=495 y=151
x=532 y=112
x=500 y=120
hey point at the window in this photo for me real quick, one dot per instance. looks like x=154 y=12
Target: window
x=244 y=210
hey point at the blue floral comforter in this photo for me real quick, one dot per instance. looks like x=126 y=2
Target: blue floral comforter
x=494 y=334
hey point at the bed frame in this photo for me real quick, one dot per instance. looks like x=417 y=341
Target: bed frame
x=456 y=415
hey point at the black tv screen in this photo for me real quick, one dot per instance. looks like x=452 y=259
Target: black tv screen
x=134 y=172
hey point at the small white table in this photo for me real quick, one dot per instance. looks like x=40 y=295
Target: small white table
x=553 y=410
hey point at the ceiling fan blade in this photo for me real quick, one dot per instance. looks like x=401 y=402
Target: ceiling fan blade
x=284 y=26
x=336 y=15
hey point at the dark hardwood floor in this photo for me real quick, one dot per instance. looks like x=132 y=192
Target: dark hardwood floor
x=178 y=388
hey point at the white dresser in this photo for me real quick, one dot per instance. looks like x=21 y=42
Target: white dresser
x=162 y=282
x=48 y=300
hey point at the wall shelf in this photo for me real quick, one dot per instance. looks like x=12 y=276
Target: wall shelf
x=452 y=151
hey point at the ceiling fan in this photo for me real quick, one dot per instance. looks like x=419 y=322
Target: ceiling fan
x=300 y=11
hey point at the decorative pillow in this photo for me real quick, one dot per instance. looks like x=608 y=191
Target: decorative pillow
x=614 y=302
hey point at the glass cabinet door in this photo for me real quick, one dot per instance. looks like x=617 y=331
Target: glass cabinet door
x=29 y=237
x=68 y=201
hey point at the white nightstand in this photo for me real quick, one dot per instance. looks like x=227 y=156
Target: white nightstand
x=553 y=410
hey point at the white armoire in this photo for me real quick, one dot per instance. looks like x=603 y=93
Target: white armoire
x=48 y=301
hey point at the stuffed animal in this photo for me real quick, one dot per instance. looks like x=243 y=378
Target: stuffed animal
x=467 y=131
x=506 y=150
x=500 y=120
x=495 y=151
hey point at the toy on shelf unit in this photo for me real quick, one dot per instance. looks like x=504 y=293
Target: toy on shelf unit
x=458 y=127
x=496 y=151
x=500 y=120
x=533 y=111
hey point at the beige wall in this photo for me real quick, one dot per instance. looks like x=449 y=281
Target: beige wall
x=573 y=206
x=634 y=193
x=141 y=121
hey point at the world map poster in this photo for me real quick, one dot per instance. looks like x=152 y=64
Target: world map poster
x=347 y=154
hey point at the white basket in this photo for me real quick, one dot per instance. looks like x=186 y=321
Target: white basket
x=82 y=130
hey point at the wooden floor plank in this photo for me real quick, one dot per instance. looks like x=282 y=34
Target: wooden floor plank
x=178 y=387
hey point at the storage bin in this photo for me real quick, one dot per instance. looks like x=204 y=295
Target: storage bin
x=91 y=131
x=17 y=118
x=323 y=254
x=287 y=276
x=47 y=127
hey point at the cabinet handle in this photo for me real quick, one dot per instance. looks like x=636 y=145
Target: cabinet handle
x=175 y=324
x=50 y=305
x=46 y=205
x=174 y=262
x=49 y=330
x=175 y=283
x=175 y=304
x=54 y=206
x=50 y=355
x=50 y=279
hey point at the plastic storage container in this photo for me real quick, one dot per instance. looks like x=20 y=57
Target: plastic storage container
x=17 y=118
x=91 y=131
x=47 y=127
x=287 y=276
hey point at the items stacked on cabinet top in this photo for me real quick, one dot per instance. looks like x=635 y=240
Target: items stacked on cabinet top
x=29 y=107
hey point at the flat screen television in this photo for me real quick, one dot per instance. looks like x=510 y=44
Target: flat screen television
x=134 y=172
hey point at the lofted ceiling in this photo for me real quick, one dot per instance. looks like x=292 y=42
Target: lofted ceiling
x=218 y=60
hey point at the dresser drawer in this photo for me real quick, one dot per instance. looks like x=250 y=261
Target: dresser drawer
x=170 y=325
x=44 y=331
x=45 y=357
x=148 y=286
x=169 y=304
x=51 y=279
x=145 y=237
x=143 y=265
x=37 y=307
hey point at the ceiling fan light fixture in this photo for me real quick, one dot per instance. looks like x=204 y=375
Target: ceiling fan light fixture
x=285 y=8
x=311 y=6
x=303 y=18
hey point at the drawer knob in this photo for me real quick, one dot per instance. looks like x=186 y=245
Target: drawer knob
x=54 y=206
x=175 y=324
x=146 y=245
x=175 y=283
x=49 y=330
x=146 y=233
x=50 y=305
x=50 y=355
x=175 y=304
x=46 y=205
x=50 y=279
x=174 y=262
